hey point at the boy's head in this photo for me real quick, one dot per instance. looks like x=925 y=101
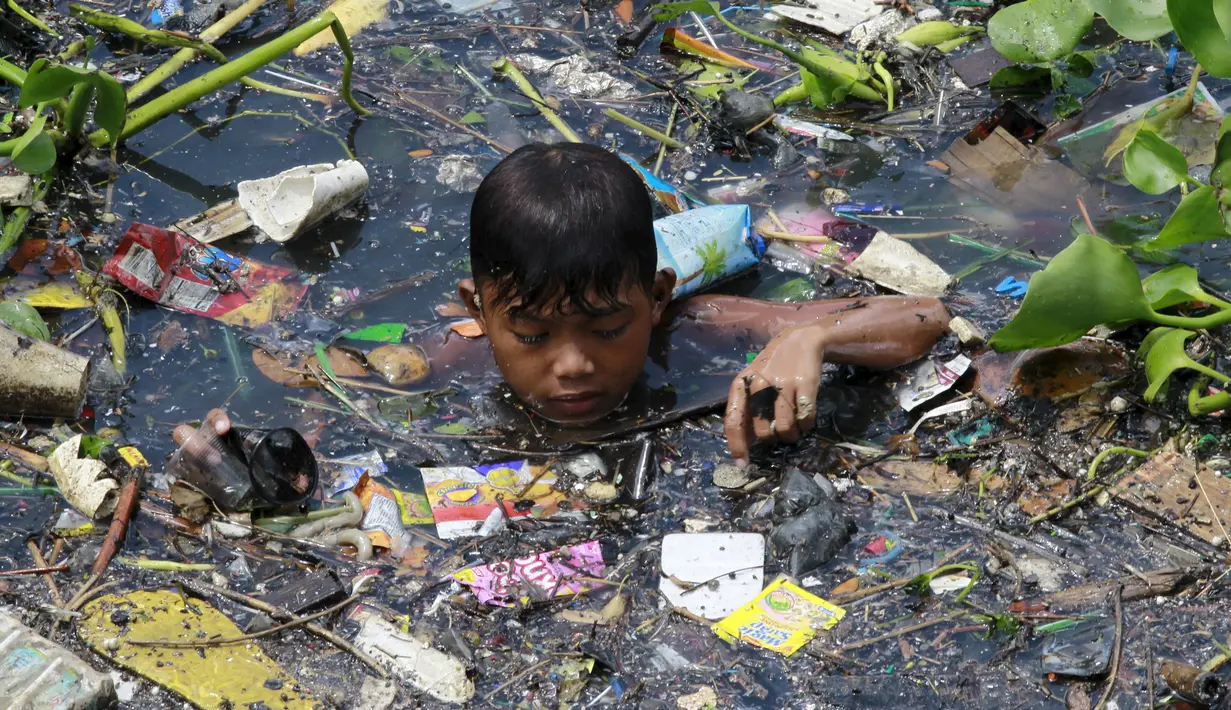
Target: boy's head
x=566 y=285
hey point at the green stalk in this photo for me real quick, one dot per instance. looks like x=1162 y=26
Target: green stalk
x=25 y=15
x=888 y=79
x=78 y=107
x=644 y=129
x=1092 y=471
x=1213 y=320
x=12 y=73
x=233 y=70
x=1199 y=406
x=181 y=58
x=16 y=223
x=123 y=25
x=506 y=67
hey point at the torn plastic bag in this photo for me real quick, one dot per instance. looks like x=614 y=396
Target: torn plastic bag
x=1085 y=653
x=83 y=481
x=812 y=526
x=707 y=245
x=288 y=204
x=176 y=271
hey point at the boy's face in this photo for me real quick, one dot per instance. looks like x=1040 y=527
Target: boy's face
x=570 y=367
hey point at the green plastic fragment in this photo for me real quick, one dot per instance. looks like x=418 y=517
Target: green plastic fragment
x=380 y=333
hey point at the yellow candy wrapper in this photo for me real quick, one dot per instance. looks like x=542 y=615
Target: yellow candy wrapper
x=782 y=618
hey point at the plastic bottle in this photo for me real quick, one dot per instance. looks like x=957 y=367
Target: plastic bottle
x=707 y=245
x=37 y=674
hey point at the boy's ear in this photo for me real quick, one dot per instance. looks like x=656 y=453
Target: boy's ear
x=469 y=294
x=660 y=294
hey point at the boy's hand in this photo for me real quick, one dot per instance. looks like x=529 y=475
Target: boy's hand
x=789 y=366
x=199 y=448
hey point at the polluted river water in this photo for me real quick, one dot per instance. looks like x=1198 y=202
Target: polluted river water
x=952 y=496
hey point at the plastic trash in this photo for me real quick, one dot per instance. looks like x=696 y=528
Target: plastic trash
x=433 y=672
x=782 y=618
x=37 y=674
x=83 y=481
x=1084 y=653
x=39 y=379
x=707 y=245
x=811 y=527
x=898 y=266
x=16 y=190
x=240 y=676
x=540 y=576
x=463 y=498
x=577 y=76
x=247 y=468
x=712 y=574
x=929 y=380
x=743 y=111
x=293 y=201
x=177 y=271
x=1193 y=683
x=834 y=16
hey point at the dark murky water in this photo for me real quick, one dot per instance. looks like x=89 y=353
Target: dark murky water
x=191 y=161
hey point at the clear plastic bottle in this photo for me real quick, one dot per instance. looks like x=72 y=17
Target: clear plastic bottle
x=38 y=674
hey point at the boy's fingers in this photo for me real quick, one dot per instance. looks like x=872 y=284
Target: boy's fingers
x=763 y=427
x=220 y=421
x=183 y=433
x=805 y=404
x=735 y=424
x=785 y=426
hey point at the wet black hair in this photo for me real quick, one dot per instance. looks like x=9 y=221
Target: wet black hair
x=565 y=227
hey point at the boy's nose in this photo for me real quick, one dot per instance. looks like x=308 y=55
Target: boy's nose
x=571 y=362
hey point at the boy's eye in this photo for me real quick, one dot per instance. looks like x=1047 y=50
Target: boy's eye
x=530 y=339
x=613 y=333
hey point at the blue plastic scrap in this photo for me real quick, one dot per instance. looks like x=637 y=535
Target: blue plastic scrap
x=1171 y=57
x=1012 y=287
x=866 y=208
x=165 y=11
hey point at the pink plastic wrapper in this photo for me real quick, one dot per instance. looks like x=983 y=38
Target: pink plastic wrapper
x=535 y=577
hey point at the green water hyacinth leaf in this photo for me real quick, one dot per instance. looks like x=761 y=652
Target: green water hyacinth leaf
x=1138 y=20
x=1197 y=219
x=1153 y=165
x=669 y=11
x=46 y=82
x=1038 y=31
x=1199 y=29
x=1164 y=353
x=1174 y=285
x=1089 y=283
x=34 y=152
x=22 y=318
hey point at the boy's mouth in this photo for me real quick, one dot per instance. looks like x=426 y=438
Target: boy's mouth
x=575 y=405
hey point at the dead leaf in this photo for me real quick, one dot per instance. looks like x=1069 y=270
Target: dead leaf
x=1035 y=503
x=584 y=616
x=922 y=478
x=171 y=336
x=624 y=11
x=908 y=652
x=1172 y=488
x=850 y=586
x=344 y=362
x=192 y=504
x=421 y=153
x=281 y=371
x=614 y=609
x=467 y=328
x=1049 y=372
x=452 y=309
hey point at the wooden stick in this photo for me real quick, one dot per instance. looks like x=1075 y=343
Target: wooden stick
x=279 y=613
x=51 y=582
x=901 y=632
x=1081 y=205
x=460 y=126
x=1117 y=650
x=899 y=582
x=21 y=456
x=129 y=498
x=299 y=621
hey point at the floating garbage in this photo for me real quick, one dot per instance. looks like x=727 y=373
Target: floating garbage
x=711 y=574
x=416 y=663
x=464 y=499
x=85 y=482
x=140 y=630
x=707 y=245
x=176 y=271
x=782 y=618
x=40 y=379
x=40 y=674
x=538 y=577
x=293 y=201
x=898 y=266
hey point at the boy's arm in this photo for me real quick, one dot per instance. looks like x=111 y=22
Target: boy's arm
x=881 y=332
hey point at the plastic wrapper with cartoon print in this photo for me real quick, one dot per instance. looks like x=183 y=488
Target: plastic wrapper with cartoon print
x=541 y=576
